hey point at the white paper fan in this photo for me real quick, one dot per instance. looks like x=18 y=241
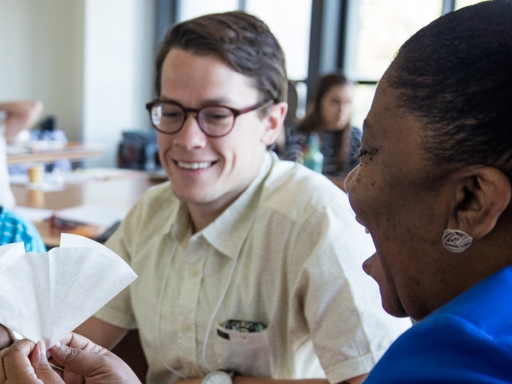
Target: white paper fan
x=44 y=296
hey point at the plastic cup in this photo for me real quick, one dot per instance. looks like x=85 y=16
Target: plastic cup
x=35 y=173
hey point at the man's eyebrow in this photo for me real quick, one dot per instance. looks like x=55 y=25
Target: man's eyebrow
x=216 y=101
x=203 y=103
x=163 y=98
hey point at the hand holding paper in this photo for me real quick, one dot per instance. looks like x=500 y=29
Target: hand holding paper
x=81 y=361
x=44 y=296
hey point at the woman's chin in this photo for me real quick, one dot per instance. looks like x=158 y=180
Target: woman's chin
x=392 y=305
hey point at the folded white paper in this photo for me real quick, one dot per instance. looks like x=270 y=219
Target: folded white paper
x=44 y=296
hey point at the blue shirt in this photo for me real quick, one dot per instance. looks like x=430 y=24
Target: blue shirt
x=468 y=340
x=14 y=228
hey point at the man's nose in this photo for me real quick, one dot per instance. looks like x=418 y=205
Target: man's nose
x=190 y=135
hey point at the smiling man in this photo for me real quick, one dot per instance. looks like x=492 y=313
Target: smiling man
x=249 y=267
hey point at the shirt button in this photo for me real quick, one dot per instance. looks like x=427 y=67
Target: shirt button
x=186 y=327
x=194 y=271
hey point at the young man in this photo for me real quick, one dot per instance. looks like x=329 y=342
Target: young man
x=245 y=263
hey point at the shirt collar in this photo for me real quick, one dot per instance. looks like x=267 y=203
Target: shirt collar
x=178 y=218
x=182 y=223
x=229 y=231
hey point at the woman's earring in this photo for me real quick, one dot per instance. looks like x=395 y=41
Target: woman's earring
x=456 y=241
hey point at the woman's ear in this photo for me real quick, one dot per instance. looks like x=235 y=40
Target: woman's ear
x=483 y=194
x=275 y=119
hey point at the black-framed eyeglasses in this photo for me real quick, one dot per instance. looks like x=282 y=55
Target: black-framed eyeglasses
x=214 y=120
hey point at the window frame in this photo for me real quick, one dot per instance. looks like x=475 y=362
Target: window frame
x=327 y=50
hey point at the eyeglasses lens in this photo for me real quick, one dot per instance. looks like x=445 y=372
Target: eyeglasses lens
x=216 y=120
x=167 y=117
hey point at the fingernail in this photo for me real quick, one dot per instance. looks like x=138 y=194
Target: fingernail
x=42 y=350
x=58 y=345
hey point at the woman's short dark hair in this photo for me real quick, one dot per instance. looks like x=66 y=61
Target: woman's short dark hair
x=242 y=41
x=455 y=76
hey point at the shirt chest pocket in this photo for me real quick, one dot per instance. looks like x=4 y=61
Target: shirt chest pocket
x=246 y=353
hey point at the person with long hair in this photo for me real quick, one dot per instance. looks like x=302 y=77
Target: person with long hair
x=329 y=116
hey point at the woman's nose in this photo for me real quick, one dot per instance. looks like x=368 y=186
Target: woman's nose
x=349 y=178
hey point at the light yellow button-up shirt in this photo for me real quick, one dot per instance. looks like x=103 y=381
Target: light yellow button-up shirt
x=287 y=254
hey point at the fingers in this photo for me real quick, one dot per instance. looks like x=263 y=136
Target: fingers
x=83 y=362
x=77 y=341
x=42 y=367
x=15 y=365
x=81 y=357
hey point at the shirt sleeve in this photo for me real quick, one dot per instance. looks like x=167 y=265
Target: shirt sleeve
x=334 y=301
x=118 y=311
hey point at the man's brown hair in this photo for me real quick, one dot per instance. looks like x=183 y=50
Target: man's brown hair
x=242 y=41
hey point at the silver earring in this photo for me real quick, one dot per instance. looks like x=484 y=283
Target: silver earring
x=456 y=241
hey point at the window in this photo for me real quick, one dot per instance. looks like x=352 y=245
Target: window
x=376 y=29
x=465 y=3
x=190 y=9
x=363 y=96
x=290 y=22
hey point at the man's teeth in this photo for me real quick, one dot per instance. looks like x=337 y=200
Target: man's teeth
x=366 y=230
x=194 y=165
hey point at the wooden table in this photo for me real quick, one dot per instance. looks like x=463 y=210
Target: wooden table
x=72 y=151
x=118 y=193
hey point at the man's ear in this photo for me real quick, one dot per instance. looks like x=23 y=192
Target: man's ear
x=482 y=194
x=274 y=120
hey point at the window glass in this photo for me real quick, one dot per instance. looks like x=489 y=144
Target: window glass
x=363 y=96
x=290 y=22
x=378 y=28
x=465 y=3
x=194 y=8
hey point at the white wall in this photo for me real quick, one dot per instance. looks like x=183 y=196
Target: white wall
x=89 y=61
x=118 y=77
x=41 y=56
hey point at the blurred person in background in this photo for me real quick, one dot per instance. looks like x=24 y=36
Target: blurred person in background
x=14 y=117
x=329 y=117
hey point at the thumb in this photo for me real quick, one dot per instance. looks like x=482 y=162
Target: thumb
x=41 y=366
x=91 y=363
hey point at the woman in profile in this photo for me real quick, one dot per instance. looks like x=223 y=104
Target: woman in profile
x=434 y=190
x=329 y=117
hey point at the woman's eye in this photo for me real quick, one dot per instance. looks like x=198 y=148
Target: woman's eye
x=363 y=152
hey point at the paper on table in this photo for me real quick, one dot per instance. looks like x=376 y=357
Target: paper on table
x=91 y=215
x=33 y=214
x=44 y=296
